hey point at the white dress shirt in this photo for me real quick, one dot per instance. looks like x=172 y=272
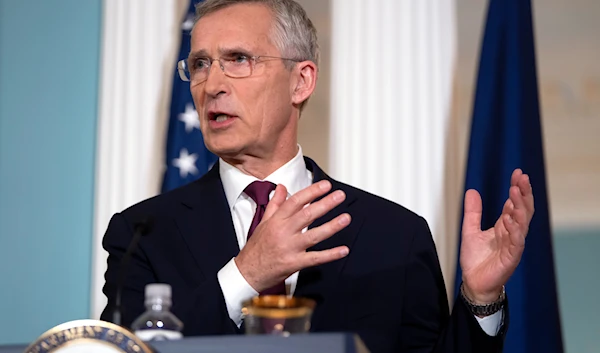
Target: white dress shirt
x=295 y=177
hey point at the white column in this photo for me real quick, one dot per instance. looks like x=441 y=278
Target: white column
x=140 y=41
x=392 y=130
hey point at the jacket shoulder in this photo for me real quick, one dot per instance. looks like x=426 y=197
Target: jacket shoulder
x=378 y=206
x=164 y=204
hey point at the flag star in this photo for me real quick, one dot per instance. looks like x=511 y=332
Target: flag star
x=186 y=163
x=190 y=118
x=188 y=24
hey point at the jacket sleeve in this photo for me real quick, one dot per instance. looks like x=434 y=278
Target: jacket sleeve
x=202 y=310
x=426 y=324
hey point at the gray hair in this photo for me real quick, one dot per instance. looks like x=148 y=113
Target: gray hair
x=293 y=32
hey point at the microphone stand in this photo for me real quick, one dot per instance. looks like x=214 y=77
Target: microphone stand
x=140 y=229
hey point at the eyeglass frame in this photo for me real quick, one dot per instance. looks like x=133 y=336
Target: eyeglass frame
x=182 y=66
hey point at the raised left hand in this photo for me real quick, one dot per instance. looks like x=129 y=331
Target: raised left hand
x=489 y=257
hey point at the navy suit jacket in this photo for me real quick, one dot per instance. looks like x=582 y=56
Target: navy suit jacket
x=389 y=289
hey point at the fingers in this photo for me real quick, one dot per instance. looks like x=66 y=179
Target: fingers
x=276 y=201
x=517 y=237
x=515 y=177
x=308 y=214
x=316 y=235
x=518 y=209
x=473 y=210
x=524 y=184
x=297 y=201
x=522 y=181
x=508 y=207
x=518 y=212
x=278 y=247
x=502 y=234
x=526 y=190
x=315 y=258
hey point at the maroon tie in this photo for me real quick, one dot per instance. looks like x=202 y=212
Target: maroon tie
x=259 y=192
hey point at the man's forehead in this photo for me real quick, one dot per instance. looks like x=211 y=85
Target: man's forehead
x=244 y=26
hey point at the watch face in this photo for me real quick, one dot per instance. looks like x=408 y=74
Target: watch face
x=92 y=336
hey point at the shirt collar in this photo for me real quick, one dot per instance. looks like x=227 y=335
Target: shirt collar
x=293 y=175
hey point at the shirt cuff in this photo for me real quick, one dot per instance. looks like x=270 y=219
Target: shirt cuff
x=491 y=324
x=235 y=290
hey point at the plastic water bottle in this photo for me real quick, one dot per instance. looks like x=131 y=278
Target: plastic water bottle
x=158 y=323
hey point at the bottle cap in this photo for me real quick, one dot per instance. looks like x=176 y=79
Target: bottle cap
x=158 y=293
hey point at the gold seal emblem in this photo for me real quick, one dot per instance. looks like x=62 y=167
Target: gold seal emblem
x=88 y=336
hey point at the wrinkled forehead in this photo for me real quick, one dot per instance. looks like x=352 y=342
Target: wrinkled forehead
x=247 y=26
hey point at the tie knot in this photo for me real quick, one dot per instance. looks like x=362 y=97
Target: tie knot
x=259 y=191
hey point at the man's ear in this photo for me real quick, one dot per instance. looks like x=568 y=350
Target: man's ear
x=305 y=81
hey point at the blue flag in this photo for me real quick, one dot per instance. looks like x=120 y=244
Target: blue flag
x=187 y=158
x=505 y=135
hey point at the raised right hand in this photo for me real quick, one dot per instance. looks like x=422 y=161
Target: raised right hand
x=277 y=247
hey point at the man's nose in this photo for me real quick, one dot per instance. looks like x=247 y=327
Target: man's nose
x=215 y=81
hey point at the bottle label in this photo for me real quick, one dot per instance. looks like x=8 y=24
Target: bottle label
x=158 y=335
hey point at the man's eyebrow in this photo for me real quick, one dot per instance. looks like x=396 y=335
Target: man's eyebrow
x=222 y=51
x=234 y=49
x=198 y=54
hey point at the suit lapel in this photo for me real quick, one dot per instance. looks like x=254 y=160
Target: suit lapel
x=207 y=227
x=316 y=282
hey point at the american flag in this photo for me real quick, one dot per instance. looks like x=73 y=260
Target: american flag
x=187 y=158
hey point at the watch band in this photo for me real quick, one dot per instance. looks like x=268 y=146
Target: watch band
x=485 y=309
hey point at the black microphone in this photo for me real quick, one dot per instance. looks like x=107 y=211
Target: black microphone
x=141 y=228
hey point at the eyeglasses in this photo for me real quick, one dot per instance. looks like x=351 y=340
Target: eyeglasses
x=196 y=70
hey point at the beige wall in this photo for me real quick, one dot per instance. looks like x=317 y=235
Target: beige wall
x=568 y=55
x=314 y=123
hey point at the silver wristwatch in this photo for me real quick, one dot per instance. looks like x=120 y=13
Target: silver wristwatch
x=485 y=309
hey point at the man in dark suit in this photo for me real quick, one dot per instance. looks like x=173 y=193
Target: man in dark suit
x=370 y=264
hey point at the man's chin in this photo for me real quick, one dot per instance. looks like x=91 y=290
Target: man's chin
x=225 y=151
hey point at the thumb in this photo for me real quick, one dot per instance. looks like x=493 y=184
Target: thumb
x=278 y=199
x=473 y=210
